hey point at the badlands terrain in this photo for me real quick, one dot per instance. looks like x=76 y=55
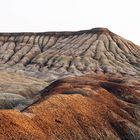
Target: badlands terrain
x=69 y=86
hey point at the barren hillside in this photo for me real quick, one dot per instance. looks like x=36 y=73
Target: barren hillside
x=58 y=54
x=69 y=86
x=88 y=107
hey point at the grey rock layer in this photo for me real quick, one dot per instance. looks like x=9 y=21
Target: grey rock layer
x=54 y=55
x=18 y=91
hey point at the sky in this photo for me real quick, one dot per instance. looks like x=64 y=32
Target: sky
x=120 y=16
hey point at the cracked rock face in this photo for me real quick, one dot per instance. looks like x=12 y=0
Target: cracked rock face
x=54 y=55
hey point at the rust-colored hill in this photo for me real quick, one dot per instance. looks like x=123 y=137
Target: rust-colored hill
x=87 y=107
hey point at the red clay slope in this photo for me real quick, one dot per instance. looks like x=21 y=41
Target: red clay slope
x=75 y=108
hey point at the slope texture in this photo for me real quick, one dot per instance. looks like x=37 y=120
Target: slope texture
x=87 y=107
x=58 y=54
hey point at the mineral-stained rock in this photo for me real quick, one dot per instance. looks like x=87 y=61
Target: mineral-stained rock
x=85 y=107
x=17 y=126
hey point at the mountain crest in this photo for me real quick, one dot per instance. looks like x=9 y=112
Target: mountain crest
x=56 y=54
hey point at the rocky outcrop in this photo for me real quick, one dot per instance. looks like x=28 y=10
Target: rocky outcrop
x=86 y=107
x=58 y=54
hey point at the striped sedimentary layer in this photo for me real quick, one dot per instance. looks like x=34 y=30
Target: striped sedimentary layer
x=18 y=91
x=57 y=54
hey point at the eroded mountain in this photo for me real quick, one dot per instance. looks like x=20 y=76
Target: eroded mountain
x=93 y=92
x=52 y=55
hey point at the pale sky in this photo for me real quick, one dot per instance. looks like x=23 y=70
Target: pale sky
x=120 y=16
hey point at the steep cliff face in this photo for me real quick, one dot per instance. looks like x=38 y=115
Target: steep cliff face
x=58 y=54
x=75 y=108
